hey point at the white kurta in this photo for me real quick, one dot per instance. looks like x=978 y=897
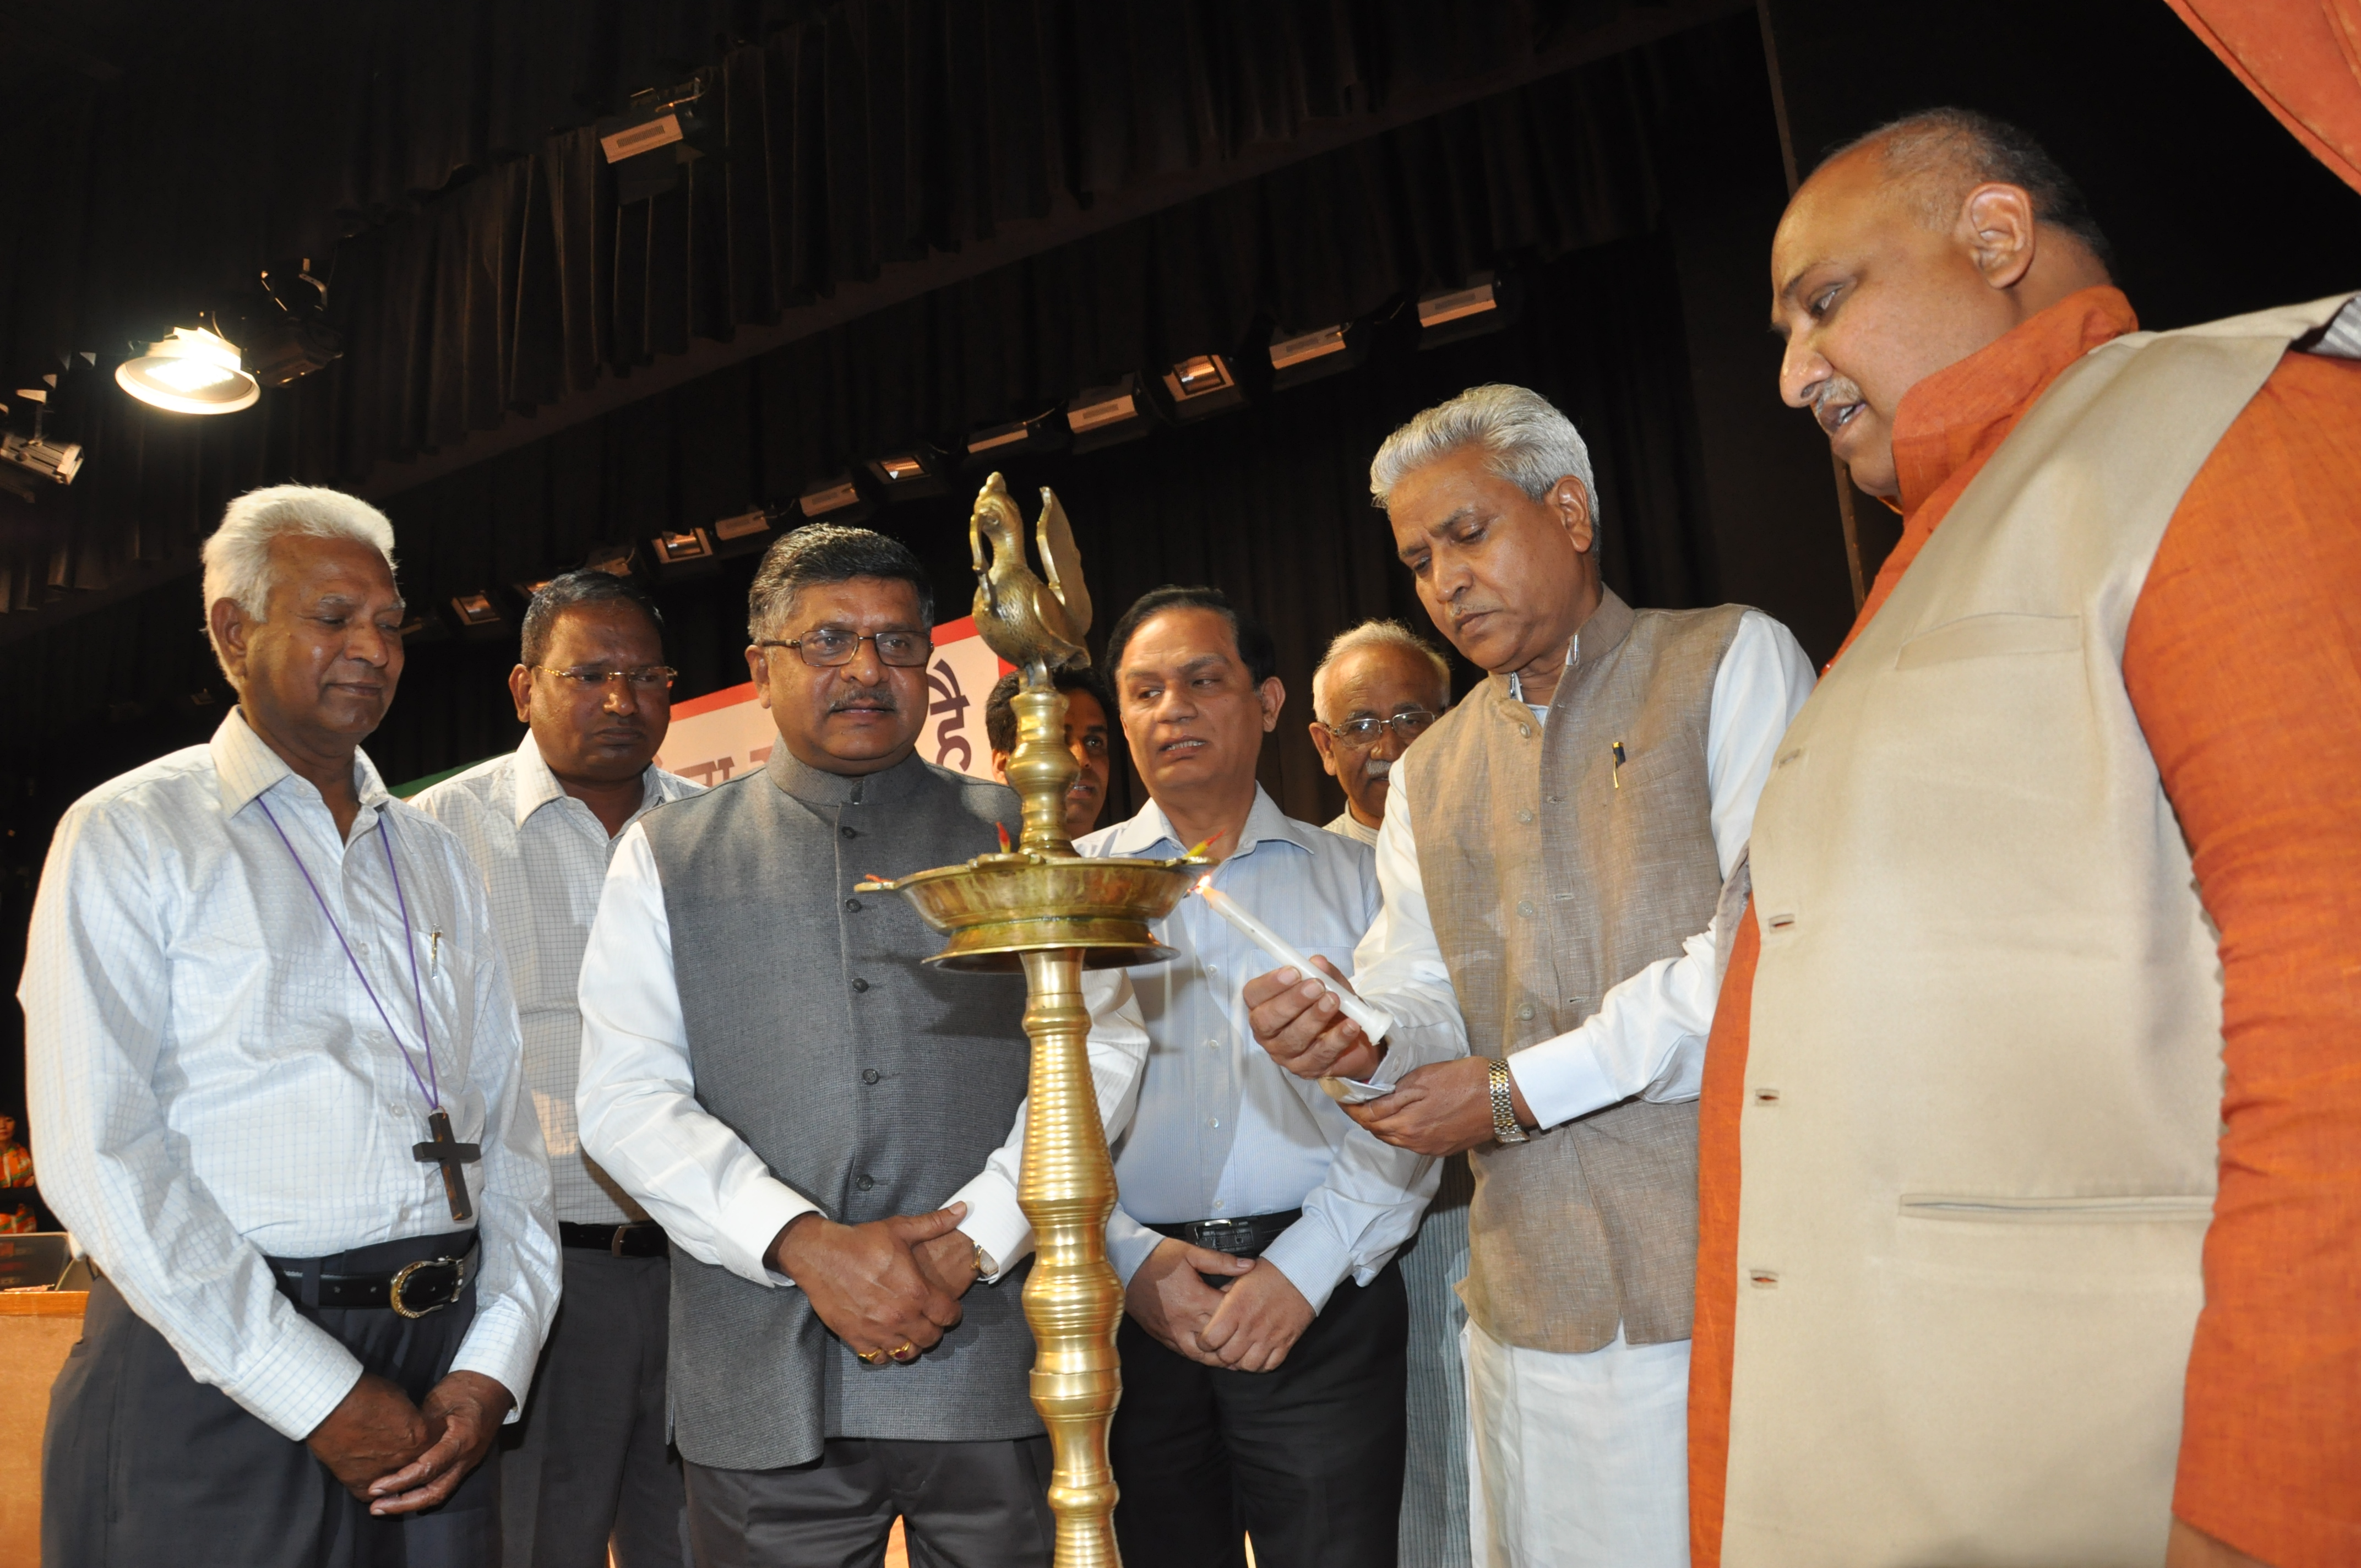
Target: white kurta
x=1579 y=1460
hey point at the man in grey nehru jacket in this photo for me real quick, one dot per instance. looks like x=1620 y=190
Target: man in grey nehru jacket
x=829 y=1128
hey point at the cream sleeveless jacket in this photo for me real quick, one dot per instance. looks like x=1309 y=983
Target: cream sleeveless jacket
x=1984 y=1079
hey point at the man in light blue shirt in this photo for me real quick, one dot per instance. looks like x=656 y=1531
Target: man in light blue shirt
x=1255 y=1227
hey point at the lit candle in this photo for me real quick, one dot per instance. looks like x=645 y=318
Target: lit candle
x=1373 y=1019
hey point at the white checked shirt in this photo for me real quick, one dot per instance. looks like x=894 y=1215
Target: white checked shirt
x=213 y=1086
x=544 y=855
x=1223 y=1132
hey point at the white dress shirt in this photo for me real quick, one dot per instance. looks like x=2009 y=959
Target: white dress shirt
x=543 y=855
x=213 y=1085
x=1648 y=1037
x=1220 y=1130
x=713 y=1195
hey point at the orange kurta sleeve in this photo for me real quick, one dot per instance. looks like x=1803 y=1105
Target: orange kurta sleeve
x=2244 y=663
x=1712 y=1344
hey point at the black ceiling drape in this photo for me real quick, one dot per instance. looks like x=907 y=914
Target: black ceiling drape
x=872 y=134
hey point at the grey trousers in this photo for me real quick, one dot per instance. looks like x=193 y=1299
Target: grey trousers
x=1434 y=1480
x=963 y=1505
x=142 y=1464
x=587 y=1467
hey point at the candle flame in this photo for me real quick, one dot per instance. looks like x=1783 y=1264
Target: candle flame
x=1205 y=882
x=1002 y=828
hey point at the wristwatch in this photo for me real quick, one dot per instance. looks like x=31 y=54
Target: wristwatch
x=1504 y=1106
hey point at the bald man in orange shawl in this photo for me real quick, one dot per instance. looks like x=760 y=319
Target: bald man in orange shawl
x=2030 y=1185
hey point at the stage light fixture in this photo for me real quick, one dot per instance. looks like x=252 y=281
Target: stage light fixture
x=837 y=499
x=191 y=372
x=526 y=587
x=30 y=465
x=1488 y=304
x=284 y=341
x=1307 y=357
x=1102 y=416
x=684 y=552
x=476 y=612
x=911 y=474
x=615 y=560
x=1203 y=384
x=650 y=140
x=999 y=443
x=744 y=533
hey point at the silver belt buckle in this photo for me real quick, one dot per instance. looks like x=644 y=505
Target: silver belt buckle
x=458 y=1267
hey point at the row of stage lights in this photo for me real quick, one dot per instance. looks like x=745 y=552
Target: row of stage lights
x=1097 y=417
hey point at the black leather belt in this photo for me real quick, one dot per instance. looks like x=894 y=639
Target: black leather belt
x=413 y=1290
x=1239 y=1238
x=644 y=1239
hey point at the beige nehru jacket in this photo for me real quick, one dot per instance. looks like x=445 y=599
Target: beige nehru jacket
x=1984 y=1079
x=1548 y=884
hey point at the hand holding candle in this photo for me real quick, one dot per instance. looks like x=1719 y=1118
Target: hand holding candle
x=1373 y=1021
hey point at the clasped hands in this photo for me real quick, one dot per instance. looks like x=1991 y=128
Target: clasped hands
x=1248 y=1324
x=889 y=1289
x=1443 y=1108
x=402 y=1458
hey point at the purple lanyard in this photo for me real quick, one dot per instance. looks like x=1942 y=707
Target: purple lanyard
x=430 y=1086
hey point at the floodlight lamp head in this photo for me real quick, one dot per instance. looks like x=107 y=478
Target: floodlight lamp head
x=191 y=372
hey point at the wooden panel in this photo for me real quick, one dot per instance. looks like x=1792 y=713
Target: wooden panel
x=37 y=1329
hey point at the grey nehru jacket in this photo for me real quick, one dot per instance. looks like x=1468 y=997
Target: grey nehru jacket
x=870 y=1081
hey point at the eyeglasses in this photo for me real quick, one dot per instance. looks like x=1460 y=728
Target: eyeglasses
x=827 y=649
x=1409 y=725
x=641 y=678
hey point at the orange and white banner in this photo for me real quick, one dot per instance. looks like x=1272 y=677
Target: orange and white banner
x=716 y=737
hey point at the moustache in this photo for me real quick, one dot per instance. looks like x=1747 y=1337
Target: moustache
x=873 y=702
x=1378 y=767
x=1836 y=392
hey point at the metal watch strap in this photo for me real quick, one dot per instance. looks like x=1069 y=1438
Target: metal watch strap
x=1504 y=1105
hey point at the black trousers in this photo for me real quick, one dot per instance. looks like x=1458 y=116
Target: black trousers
x=962 y=1505
x=1308 y=1458
x=588 y=1471
x=142 y=1464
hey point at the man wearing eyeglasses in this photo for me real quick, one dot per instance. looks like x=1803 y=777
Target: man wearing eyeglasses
x=1375 y=691
x=822 y=1121
x=584 y=1471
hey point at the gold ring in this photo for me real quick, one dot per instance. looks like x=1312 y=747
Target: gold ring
x=908 y=1353
x=871 y=1358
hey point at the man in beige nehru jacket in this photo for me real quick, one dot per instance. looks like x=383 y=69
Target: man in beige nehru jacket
x=1551 y=856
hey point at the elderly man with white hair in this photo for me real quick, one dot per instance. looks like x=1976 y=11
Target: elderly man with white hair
x=276 y=1069
x=1553 y=855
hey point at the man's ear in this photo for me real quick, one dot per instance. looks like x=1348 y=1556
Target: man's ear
x=1997 y=224
x=521 y=692
x=1324 y=743
x=230 y=626
x=1572 y=504
x=1273 y=696
x=758 y=670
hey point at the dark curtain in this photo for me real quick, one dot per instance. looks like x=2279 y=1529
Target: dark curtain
x=872 y=135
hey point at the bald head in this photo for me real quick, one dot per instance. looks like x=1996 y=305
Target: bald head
x=1908 y=250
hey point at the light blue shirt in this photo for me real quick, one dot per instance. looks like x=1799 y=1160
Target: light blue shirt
x=1219 y=1130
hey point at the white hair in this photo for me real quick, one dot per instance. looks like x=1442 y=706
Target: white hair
x=1532 y=446
x=237 y=555
x=1375 y=635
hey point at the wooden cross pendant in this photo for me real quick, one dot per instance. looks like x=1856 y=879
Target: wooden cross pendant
x=450 y=1154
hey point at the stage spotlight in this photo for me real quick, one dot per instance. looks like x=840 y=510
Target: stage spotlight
x=837 y=499
x=476 y=613
x=1102 y=416
x=998 y=443
x=745 y=533
x=284 y=342
x=30 y=465
x=191 y=372
x=1204 y=384
x=1309 y=356
x=1488 y=303
x=526 y=587
x=615 y=560
x=650 y=141
x=686 y=553
x=910 y=475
